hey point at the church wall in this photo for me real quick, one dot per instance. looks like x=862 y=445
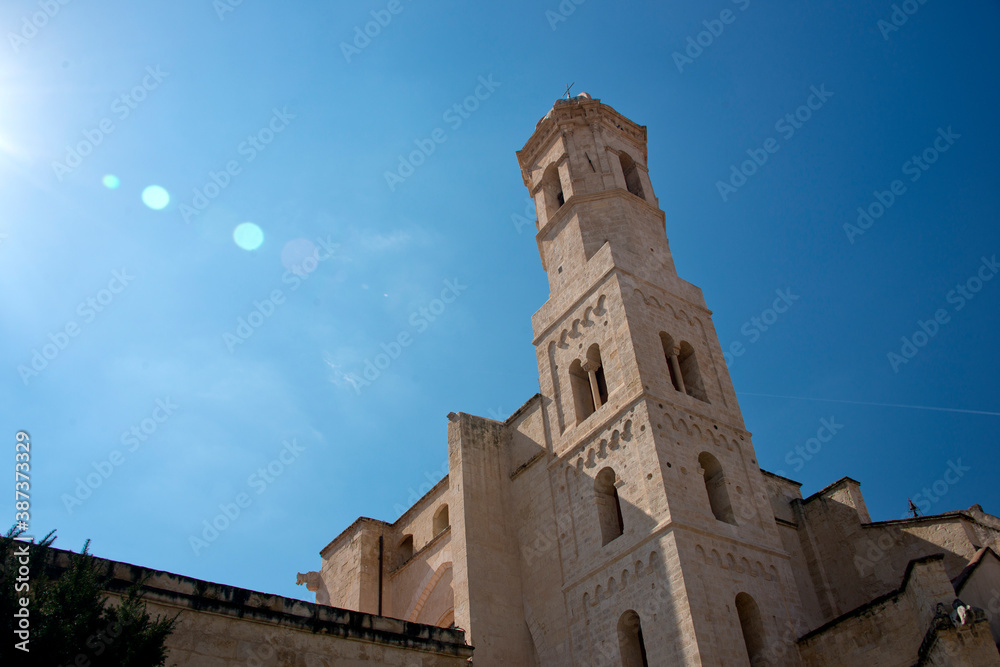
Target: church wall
x=652 y=310
x=647 y=581
x=887 y=632
x=599 y=319
x=350 y=563
x=418 y=520
x=541 y=534
x=350 y=569
x=681 y=439
x=864 y=561
x=625 y=446
x=407 y=585
x=488 y=600
x=716 y=571
x=812 y=614
x=987 y=527
x=962 y=646
x=560 y=254
x=781 y=492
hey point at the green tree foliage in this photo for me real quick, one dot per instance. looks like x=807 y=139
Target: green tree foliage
x=70 y=620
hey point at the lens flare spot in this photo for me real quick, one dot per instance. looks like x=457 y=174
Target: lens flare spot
x=111 y=182
x=155 y=197
x=248 y=236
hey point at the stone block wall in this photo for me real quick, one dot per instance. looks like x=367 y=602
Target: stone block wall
x=224 y=626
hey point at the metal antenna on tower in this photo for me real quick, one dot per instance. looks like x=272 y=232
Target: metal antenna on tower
x=568 y=87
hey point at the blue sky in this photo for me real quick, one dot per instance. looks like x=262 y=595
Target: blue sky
x=260 y=115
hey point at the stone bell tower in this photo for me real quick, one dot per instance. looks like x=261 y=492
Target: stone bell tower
x=667 y=544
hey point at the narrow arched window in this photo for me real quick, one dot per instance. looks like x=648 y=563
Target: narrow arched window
x=751 y=626
x=588 y=383
x=715 y=485
x=671 y=350
x=630 y=642
x=609 y=507
x=688 y=363
x=600 y=381
x=404 y=551
x=441 y=521
x=631 y=172
x=552 y=192
x=583 y=396
x=682 y=367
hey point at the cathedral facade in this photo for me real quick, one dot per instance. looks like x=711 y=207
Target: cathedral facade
x=620 y=517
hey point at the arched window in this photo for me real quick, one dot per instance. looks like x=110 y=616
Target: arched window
x=751 y=626
x=715 y=485
x=552 y=192
x=670 y=351
x=441 y=521
x=404 y=551
x=600 y=381
x=630 y=643
x=583 y=397
x=589 y=383
x=692 y=375
x=682 y=365
x=631 y=172
x=609 y=507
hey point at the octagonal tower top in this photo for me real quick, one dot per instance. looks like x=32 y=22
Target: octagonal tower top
x=583 y=147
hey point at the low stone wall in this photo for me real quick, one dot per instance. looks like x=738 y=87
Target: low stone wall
x=225 y=626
